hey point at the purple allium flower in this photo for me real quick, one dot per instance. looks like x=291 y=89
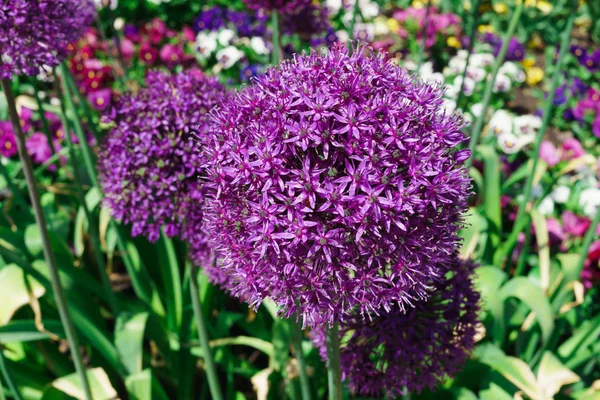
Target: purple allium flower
x=337 y=187
x=283 y=6
x=34 y=34
x=413 y=350
x=149 y=167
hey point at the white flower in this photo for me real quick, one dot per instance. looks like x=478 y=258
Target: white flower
x=546 y=206
x=537 y=191
x=468 y=87
x=476 y=109
x=449 y=106
x=589 y=201
x=333 y=5
x=257 y=44
x=342 y=36
x=206 y=43
x=462 y=54
x=527 y=124
x=228 y=56
x=427 y=74
x=104 y=3
x=456 y=65
x=381 y=26
x=501 y=122
x=502 y=84
x=225 y=37
x=364 y=32
x=368 y=9
x=481 y=59
x=561 y=194
x=476 y=73
x=511 y=70
x=509 y=143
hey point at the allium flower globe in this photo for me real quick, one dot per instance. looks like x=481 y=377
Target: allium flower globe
x=337 y=187
x=413 y=350
x=35 y=34
x=150 y=162
x=282 y=6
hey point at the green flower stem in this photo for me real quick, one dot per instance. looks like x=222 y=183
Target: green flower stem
x=474 y=22
x=59 y=294
x=84 y=104
x=211 y=371
x=16 y=394
x=423 y=35
x=355 y=12
x=172 y=280
x=334 y=374
x=92 y=223
x=522 y=213
x=304 y=381
x=487 y=96
x=276 y=55
x=587 y=241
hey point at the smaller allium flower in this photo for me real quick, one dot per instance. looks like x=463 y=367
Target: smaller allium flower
x=335 y=186
x=149 y=165
x=35 y=34
x=413 y=350
x=282 y=6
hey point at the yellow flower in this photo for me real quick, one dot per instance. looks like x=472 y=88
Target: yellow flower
x=528 y=62
x=423 y=3
x=544 y=6
x=393 y=25
x=534 y=75
x=467 y=5
x=500 y=8
x=485 y=29
x=453 y=42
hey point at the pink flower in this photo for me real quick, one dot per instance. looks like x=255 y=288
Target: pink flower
x=571 y=148
x=148 y=54
x=100 y=99
x=549 y=153
x=38 y=148
x=8 y=144
x=555 y=231
x=170 y=55
x=575 y=225
x=591 y=269
x=127 y=48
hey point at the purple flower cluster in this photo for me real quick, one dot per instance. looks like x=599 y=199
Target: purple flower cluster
x=149 y=166
x=337 y=188
x=514 y=52
x=34 y=34
x=590 y=60
x=312 y=24
x=282 y=6
x=217 y=17
x=414 y=350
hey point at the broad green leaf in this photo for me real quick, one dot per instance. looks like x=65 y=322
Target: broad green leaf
x=13 y=291
x=129 y=340
x=488 y=281
x=143 y=386
x=474 y=233
x=532 y=295
x=258 y=344
x=585 y=335
x=552 y=375
x=26 y=331
x=568 y=262
x=512 y=368
x=100 y=385
x=494 y=392
x=463 y=393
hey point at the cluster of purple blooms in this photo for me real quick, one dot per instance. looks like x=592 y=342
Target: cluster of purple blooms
x=397 y=351
x=337 y=189
x=281 y=6
x=150 y=164
x=589 y=59
x=217 y=17
x=36 y=34
x=514 y=52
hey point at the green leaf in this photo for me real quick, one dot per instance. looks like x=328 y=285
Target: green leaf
x=552 y=375
x=532 y=295
x=585 y=335
x=258 y=344
x=474 y=233
x=488 y=281
x=568 y=262
x=13 y=291
x=99 y=383
x=26 y=331
x=282 y=335
x=143 y=386
x=491 y=195
x=542 y=239
x=512 y=368
x=129 y=340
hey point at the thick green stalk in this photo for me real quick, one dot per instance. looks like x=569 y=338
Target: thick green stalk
x=522 y=213
x=92 y=224
x=423 y=35
x=304 y=381
x=16 y=394
x=474 y=22
x=59 y=294
x=276 y=55
x=487 y=96
x=334 y=374
x=211 y=370
x=587 y=241
x=85 y=149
